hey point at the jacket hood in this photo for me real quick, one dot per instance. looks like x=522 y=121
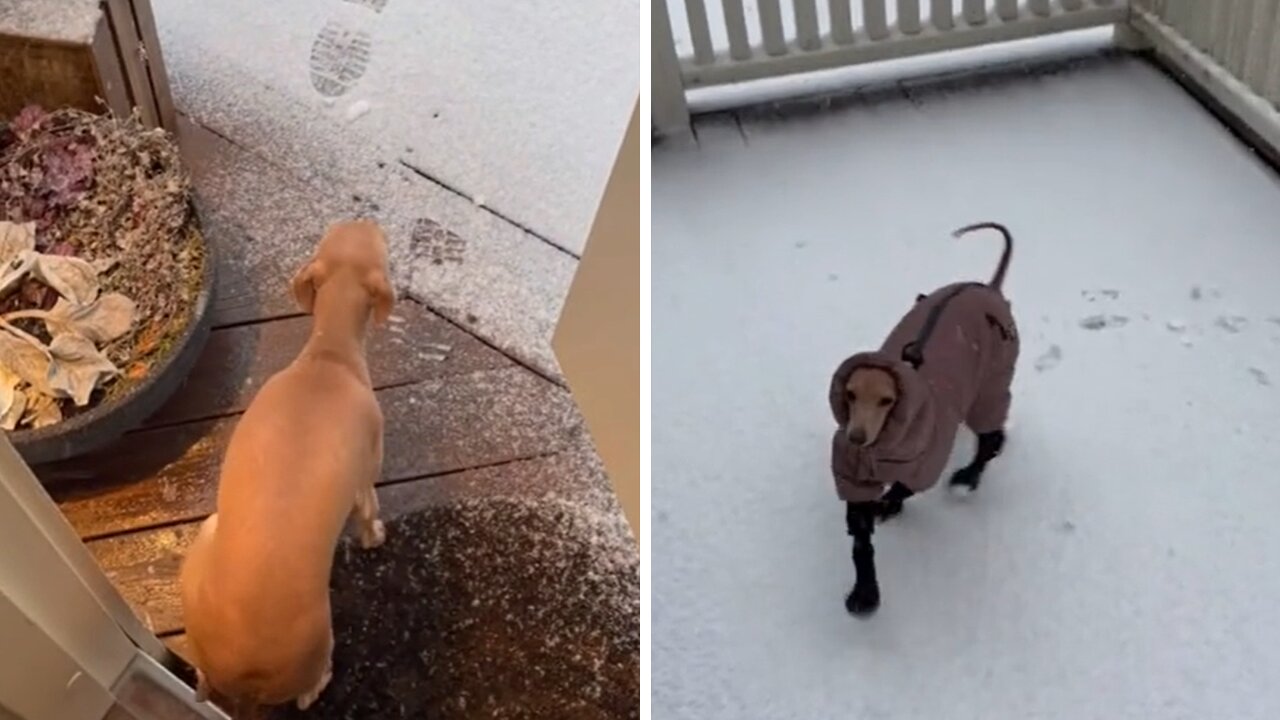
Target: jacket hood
x=907 y=433
x=909 y=428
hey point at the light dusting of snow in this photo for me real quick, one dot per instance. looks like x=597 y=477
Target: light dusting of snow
x=1164 y=570
x=66 y=20
x=357 y=110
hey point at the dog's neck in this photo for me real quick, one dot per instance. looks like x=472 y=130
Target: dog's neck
x=341 y=320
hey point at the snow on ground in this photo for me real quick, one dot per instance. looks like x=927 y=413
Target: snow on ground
x=1120 y=559
x=514 y=110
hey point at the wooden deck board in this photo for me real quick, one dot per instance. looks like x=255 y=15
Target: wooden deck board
x=144 y=565
x=463 y=421
x=169 y=475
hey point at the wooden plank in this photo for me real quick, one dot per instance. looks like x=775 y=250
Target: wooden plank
x=145 y=565
x=416 y=345
x=263 y=220
x=179 y=646
x=112 y=86
x=153 y=56
x=54 y=74
x=169 y=475
x=125 y=31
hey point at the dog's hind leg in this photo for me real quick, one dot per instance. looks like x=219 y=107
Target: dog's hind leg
x=865 y=596
x=990 y=444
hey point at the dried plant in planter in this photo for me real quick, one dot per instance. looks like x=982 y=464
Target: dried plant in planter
x=100 y=260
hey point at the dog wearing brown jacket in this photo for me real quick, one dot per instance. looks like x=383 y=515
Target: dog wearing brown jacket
x=949 y=361
x=303 y=459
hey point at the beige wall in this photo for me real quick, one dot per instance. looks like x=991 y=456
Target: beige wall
x=597 y=340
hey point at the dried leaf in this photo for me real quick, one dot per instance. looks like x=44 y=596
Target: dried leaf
x=15 y=238
x=42 y=411
x=25 y=358
x=77 y=368
x=102 y=321
x=105 y=265
x=148 y=339
x=13 y=416
x=68 y=170
x=27 y=121
x=12 y=400
x=16 y=270
x=73 y=278
x=138 y=370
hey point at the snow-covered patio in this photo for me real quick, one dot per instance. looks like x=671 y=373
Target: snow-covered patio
x=1119 y=560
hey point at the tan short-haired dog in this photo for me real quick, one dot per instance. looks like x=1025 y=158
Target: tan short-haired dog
x=303 y=459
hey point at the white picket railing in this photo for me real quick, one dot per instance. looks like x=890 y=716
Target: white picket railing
x=739 y=42
x=1229 y=48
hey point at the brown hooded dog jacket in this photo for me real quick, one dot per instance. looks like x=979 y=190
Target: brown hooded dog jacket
x=966 y=361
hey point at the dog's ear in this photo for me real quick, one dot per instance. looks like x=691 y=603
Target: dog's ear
x=303 y=285
x=384 y=296
x=836 y=395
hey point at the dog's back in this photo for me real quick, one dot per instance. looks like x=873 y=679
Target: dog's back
x=261 y=627
x=968 y=352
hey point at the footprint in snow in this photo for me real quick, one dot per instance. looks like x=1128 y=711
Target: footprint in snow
x=1049 y=359
x=1231 y=323
x=1093 y=295
x=340 y=53
x=1098 y=322
x=1260 y=376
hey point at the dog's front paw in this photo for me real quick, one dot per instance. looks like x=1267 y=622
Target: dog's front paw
x=374 y=535
x=965 y=480
x=863 y=600
x=888 y=509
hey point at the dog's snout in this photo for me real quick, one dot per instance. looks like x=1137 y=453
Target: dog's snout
x=857 y=435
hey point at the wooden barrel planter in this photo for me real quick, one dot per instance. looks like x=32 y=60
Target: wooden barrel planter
x=99 y=56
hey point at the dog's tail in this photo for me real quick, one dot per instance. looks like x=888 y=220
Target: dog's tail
x=997 y=280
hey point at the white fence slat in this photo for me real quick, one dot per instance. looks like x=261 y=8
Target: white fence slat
x=1238 y=41
x=775 y=41
x=1197 y=27
x=1219 y=29
x=735 y=25
x=941 y=14
x=909 y=17
x=1007 y=10
x=704 y=53
x=669 y=109
x=807 y=24
x=887 y=44
x=841 y=21
x=1262 y=31
x=1271 y=88
x=975 y=12
x=1039 y=8
x=875 y=18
